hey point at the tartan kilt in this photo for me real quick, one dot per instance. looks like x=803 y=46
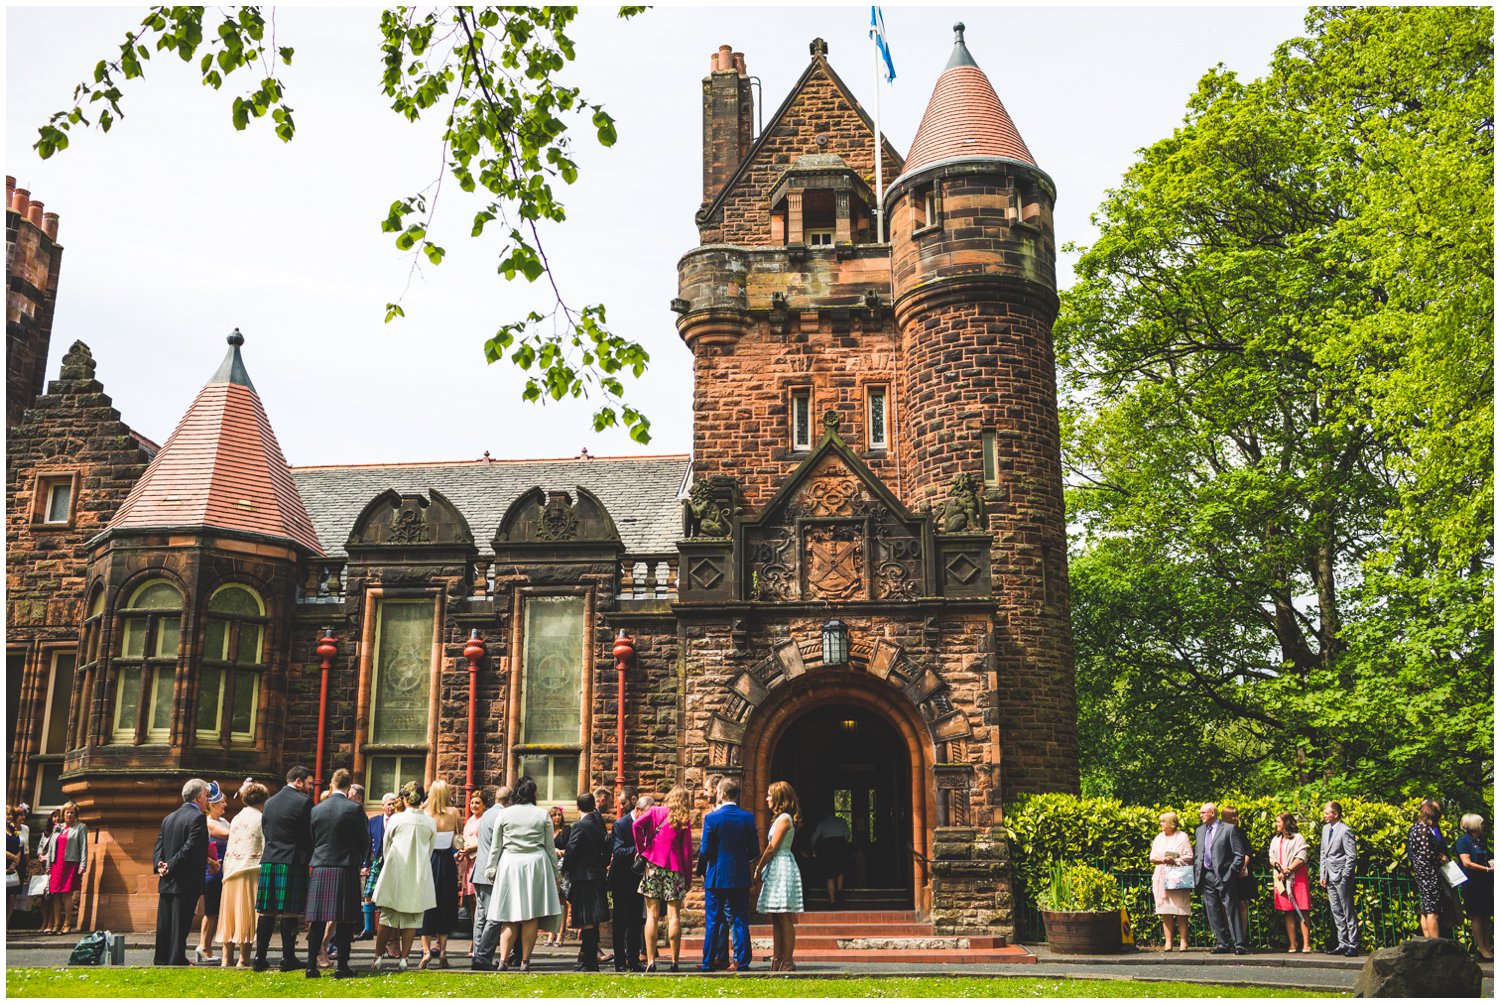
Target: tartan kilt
x=282 y=889
x=369 y=890
x=333 y=894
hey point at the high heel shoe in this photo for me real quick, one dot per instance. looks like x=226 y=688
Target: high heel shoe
x=426 y=960
x=650 y=967
x=775 y=964
x=203 y=957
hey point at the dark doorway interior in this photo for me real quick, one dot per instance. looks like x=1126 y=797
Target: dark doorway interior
x=850 y=761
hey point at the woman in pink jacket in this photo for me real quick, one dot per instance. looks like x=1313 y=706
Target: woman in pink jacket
x=664 y=838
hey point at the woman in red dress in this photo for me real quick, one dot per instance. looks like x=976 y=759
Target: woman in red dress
x=69 y=856
x=1289 y=860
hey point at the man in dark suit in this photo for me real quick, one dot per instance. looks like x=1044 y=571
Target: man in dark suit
x=340 y=839
x=486 y=932
x=1217 y=858
x=181 y=860
x=729 y=845
x=583 y=864
x=282 y=893
x=627 y=917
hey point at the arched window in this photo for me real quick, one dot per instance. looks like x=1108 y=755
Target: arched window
x=233 y=660
x=88 y=656
x=145 y=669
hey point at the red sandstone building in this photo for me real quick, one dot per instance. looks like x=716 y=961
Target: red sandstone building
x=857 y=582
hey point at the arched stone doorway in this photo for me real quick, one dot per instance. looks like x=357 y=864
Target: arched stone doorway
x=802 y=733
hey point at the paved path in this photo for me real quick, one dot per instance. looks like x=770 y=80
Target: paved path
x=1315 y=973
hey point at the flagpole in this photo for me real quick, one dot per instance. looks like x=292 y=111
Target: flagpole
x=879 y=164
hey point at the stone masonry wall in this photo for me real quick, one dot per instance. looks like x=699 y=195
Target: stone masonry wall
x=971 y=889
x=742 y=397
x=72 y=432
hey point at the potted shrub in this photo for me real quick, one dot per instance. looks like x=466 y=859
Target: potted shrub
x=1081 y=910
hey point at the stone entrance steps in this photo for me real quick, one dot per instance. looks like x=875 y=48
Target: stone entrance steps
x=874 y=936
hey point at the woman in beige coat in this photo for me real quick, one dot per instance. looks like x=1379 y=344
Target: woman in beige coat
x=404 y=891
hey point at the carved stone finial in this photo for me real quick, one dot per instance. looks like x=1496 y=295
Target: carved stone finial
x=78 y=364
x=818 y=48
x=235 y=338
x=830 y=421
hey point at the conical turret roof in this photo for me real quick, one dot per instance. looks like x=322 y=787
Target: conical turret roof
x=964 y=117
x=222 y=468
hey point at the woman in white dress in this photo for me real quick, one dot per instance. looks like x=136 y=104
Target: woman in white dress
x=781 y=891
x=1169 y=849
x=404 y=891
x=523 y=864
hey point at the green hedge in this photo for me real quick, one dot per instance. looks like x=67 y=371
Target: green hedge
x=1117 y=837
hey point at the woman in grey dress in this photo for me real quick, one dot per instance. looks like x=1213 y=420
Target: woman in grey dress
x=523 y=862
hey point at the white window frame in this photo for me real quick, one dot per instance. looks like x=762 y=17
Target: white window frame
x=990 y=457
x=801 y=397
x=878 y=433
x=822 y=237
x=53 y=486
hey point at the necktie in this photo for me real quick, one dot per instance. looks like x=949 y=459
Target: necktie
x=1208 y=850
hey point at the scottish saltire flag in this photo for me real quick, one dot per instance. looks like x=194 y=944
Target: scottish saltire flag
x=877 y=32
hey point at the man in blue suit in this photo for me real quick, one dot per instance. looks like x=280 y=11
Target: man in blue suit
x=730 y=845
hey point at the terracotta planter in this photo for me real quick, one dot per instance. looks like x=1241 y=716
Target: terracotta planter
x=1083 y=933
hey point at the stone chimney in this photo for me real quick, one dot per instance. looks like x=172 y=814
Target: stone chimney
x=728 y=119
x=34 y=259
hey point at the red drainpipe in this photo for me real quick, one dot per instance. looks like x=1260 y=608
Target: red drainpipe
x=327 y=648
x=624 y=653
x=473 y=651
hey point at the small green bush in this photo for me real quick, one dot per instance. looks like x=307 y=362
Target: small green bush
x=1079 y=888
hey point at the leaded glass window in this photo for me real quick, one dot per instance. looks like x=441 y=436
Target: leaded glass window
x=553 y=685
x=403 y=672
x=150 y=629
x=233 y=660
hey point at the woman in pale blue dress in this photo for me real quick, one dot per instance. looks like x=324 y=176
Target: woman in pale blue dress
x=781 y=889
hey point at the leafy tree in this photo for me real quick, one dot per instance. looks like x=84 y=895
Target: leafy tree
x=492 y=72
x=1277 y=368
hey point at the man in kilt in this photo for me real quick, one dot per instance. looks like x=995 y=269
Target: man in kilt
x=282 y=892
x=341 y=838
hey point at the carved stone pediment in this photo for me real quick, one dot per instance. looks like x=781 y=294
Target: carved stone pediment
x=835 y=532
x=557 y=518
x=394 y=520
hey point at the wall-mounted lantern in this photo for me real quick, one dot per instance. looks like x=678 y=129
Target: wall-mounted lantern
x=835 y=643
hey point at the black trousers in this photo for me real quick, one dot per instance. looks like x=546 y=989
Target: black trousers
x=629 y=923
x=1223 y=909
x=174 y=921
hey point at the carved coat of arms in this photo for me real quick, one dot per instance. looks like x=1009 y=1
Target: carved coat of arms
x=835 y=562
x=558 y=519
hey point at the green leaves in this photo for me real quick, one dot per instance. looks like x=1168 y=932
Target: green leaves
x=493 y=73
x=1276 y=368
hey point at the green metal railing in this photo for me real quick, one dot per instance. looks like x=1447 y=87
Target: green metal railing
x=1386 y=906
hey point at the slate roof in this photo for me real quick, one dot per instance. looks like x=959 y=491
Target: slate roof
x=965 y=118
x=221 y=468
x=639 y=492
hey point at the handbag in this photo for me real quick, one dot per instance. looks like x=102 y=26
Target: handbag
x=638 y=864
x=1178 y=877
x=38 y=886
x=1454 y=873
x=12 y=880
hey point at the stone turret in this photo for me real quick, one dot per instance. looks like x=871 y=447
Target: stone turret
x=973 y=262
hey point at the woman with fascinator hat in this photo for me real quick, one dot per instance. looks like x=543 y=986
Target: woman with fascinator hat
x=213 y=878
x=404 y=892
x=240 y=876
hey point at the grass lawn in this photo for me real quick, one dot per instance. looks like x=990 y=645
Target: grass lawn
x=186 y=983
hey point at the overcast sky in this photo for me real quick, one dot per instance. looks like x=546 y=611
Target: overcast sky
x=178 y=229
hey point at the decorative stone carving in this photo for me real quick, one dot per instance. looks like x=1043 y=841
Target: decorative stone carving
x=408 y=525
x=963 y=510
x=835 y=561
x=557 y=520
x=710 y=508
